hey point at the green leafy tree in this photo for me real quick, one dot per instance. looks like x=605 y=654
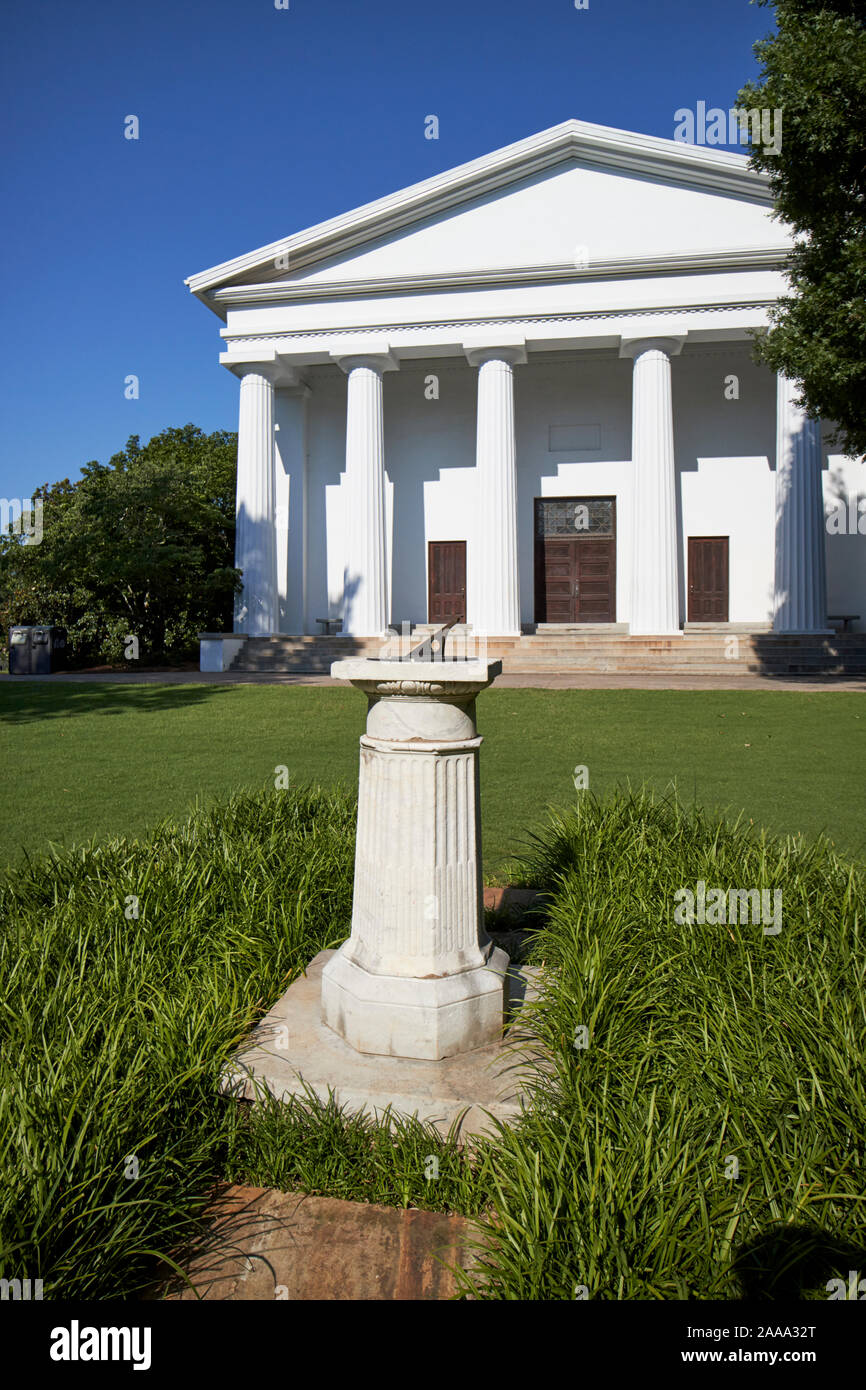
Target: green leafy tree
x=814 y=71
x=143 y=544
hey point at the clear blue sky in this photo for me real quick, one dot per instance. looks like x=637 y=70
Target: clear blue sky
x=256 y=123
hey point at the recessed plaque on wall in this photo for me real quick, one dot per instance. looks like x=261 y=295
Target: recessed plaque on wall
x=573 y=438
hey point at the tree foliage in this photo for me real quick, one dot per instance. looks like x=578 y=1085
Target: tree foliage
x=814 y=71
x=142 y=545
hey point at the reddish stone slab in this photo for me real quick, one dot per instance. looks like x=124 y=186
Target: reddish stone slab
x=269 y=1245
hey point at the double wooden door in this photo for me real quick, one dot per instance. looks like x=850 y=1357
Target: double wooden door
x=575 y=560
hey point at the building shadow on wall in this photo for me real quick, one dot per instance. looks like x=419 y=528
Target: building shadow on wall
x=351 y=585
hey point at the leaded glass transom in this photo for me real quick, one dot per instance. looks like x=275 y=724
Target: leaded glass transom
x=574 y=516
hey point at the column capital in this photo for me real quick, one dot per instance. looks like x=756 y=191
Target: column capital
x=364 y=351
x=270 y=366
x=494 y=347
x=670 y=344
x=268 y=370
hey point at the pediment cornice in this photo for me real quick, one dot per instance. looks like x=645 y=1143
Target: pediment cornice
x=594 y=146
x=616 y=268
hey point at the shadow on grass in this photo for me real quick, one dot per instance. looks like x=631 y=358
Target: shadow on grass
x=33 y=701
x=786 y=1262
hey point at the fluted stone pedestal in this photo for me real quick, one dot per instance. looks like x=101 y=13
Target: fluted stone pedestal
x=418 y=976
x=407 y=1018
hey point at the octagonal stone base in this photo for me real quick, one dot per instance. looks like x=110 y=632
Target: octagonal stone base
x=429 y=1018
x=292 y=1052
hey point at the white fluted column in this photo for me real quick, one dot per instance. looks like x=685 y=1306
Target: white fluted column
x=256 y=611
x=494 y=589
x=655 y=604
x=291 y=417
x=365 y=612
x=800 y=597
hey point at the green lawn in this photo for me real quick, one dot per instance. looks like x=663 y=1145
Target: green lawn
x=83 y=760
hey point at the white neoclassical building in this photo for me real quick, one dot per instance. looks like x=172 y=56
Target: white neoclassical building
x=522 y=393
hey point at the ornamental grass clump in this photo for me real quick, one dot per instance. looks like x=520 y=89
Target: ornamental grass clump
x=129 y=971
x=317 y=1146
x=699 y=1129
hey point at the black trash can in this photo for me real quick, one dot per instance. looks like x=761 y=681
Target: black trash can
x=19 y=651
x=36 y=651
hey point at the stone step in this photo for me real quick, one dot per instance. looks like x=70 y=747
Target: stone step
x=854 y=642
x=697 y=652
x=602 y=667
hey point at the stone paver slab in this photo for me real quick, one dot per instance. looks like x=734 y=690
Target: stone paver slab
x=266 y=1245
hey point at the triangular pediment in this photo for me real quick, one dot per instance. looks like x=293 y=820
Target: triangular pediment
x=570 y=213
x=573 y=193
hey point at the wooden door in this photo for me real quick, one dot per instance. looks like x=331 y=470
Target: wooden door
x=575 y=569
x=708 y=579
x=556 y=557
x=596 y=580
x=446 y=581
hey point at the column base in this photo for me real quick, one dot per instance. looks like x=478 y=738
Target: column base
x=396 y=1016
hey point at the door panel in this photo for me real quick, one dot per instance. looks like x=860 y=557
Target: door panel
x=446 y=581
x=596 y=582
x=559 y=579
x=708 y=579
